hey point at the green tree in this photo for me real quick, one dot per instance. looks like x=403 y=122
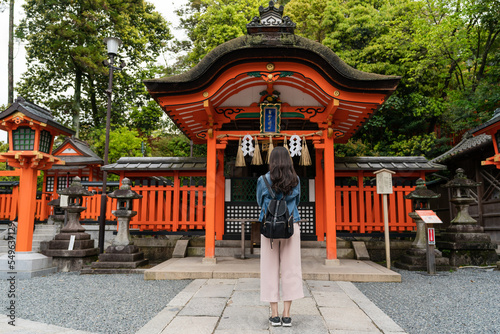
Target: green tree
x=65 y=50
x=122 y=143
x=210 y=23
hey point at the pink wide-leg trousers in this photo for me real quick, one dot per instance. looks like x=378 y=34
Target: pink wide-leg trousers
x=284 y=257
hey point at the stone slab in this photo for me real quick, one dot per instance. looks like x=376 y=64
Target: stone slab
x=67 y=236
x=117 y=265
x=180 y=249
x=160 y=321
x=215 y=290
x=206 y=307
x=360 y=250
x=191 y=325
x=381 y=320
x=77 y=253
x=128 y=249
x=231 y=268
x=337 y=318
x=78 y=244
x=246 y=298
x=253 y=318
x=118 y=257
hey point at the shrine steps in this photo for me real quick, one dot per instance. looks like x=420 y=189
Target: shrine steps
x=232 y=248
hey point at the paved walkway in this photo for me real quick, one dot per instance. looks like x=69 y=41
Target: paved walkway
x=232 y=306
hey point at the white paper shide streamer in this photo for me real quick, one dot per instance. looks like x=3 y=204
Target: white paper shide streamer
x=247 y=146
x=295 y=146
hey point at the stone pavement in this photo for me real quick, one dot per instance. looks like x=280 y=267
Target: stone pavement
x=31 y=327
x=231 y=306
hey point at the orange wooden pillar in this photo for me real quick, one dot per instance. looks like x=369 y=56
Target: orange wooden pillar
x=27 y=206
x=329 y=190
x=220 y=193
x=210 y=196
x=319 y=193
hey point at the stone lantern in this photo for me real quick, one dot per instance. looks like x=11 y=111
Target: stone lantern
x=72 y=248
x=416 y=257
x=122 y=256
x=31 y=132
x=464 y=238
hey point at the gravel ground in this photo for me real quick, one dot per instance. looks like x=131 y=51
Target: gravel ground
x=463 y=301
x=95 y=303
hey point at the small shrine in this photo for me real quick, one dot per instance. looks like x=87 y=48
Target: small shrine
x=267 y=88
x=79 y=160
x=31 y=132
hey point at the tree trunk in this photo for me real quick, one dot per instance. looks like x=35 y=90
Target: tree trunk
x=77 y=102
x=11 y=54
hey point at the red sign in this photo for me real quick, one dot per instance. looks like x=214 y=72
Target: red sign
x=429 y=216
x=431 y=236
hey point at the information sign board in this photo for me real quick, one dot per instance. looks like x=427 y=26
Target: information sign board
x=384 y=181
x=429 y=216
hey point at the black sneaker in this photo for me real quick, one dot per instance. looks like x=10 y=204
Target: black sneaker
x=287 y=321
x=275 y=321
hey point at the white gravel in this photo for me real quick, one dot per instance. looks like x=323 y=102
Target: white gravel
x=463 y=301
x=95 y=303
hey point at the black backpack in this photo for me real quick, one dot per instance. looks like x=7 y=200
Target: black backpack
x=278 y=222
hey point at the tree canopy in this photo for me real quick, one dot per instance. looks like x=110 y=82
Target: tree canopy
x=65 y=51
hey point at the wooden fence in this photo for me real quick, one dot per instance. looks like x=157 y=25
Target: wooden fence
x=357 y=211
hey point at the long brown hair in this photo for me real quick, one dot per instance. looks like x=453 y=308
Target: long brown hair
x=283 y=175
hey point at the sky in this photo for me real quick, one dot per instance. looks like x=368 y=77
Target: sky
x=164 y=7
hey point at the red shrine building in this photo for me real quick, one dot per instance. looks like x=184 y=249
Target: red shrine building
x=267 y=87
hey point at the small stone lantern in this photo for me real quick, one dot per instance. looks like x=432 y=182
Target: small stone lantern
x=416 y=257
x=72 y=248
x=460 y=197
x=122 y=257
x=123 y=212
x=420 y=197
x=464 y=238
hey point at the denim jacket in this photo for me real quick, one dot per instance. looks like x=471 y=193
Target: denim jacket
x=264 y=197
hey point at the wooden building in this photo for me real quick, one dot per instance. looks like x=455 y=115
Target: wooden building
x=478 y=155
x=270 y=84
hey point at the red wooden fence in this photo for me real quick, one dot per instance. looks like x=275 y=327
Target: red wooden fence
x=357 y=211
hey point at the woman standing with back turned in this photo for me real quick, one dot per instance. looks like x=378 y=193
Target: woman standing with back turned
x=284 y=256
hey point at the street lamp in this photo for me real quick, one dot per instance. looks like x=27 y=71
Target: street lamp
x=112 y=44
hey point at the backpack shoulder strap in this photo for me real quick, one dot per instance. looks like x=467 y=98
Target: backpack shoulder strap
x=269 y=187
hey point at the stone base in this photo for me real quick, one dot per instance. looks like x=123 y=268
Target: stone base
x=468 y=245
x=109 y=271
x=119 y=265
x=415 y=259
x=120 y=257
x=472 y=257
x=27 y=265
x=332 y=262
x=209 y=260
x=67 y=264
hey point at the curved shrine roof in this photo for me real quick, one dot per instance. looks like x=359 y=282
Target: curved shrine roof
x=313 y=86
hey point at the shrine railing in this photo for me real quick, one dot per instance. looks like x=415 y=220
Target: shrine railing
x=362 y=212
x=357 y=212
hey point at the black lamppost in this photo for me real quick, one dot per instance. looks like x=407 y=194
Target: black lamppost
x=113 y=44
